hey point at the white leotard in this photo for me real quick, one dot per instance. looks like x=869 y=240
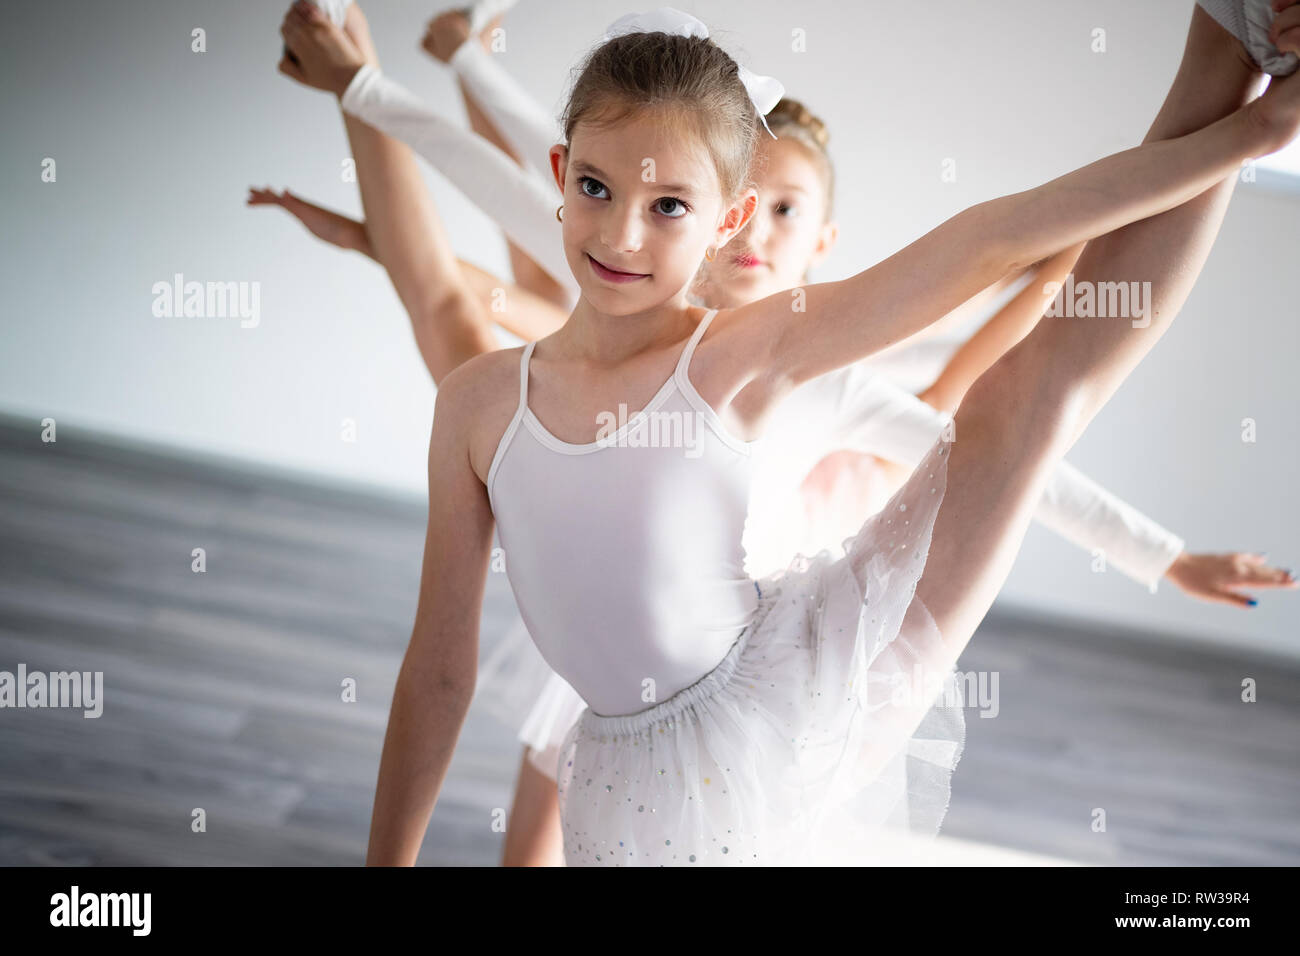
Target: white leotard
x=625 y=553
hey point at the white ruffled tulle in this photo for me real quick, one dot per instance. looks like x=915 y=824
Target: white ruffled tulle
x=517 y=687
x=557 y=709
x=831 y=728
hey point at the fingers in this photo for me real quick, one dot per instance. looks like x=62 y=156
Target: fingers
x=1285 y=31
x=306 y=10
x=1222 y=578
x=1228 y=597
x=292 y=70
x=295 y=25
x=290 y=32
x=1245 y=570
x=266 y=196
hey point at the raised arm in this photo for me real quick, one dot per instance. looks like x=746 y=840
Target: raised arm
x=1011 y=324
x=844 y=321
x=437 y=677
x=873 y=416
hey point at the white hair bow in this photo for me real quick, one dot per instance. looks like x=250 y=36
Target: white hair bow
x=764 y=91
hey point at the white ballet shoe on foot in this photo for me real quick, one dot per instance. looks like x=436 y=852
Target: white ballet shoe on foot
x=1249 y=21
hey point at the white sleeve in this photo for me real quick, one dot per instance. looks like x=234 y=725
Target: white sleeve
x=522 y=121
x=874 y=416
x=517 y=201
x=1082 y=511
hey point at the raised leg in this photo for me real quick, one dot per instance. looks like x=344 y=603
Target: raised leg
x=408 y=238
x=1026 y=411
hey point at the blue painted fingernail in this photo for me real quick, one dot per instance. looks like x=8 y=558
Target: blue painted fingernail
x=1253 y=602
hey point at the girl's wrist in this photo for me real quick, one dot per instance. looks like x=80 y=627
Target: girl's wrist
x=342 y=78
x=1176 y=566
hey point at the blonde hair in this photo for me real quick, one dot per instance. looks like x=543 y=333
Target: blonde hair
x=790 y=119
x=690 y=81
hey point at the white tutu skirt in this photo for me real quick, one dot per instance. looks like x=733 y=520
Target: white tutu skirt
x=828 y=732
x=518 y=688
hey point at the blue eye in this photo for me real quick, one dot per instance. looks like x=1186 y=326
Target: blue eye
x=785 y=209
x=677 y=203
x=584 y=181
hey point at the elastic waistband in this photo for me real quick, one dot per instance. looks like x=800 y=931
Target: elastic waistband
x=622 y=725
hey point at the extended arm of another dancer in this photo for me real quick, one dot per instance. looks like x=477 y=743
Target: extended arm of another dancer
x=875 y=417
x=996 y=336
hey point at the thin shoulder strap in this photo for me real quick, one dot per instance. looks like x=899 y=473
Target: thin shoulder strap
x=513 y=427
x=523 y=375
x=698 y=334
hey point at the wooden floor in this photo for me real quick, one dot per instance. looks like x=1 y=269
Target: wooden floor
x=223 y=690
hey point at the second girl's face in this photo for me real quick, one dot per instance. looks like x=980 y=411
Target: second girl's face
x=786 y=236
x=641 y=207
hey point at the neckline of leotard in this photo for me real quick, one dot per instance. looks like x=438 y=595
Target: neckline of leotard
x=612 y=440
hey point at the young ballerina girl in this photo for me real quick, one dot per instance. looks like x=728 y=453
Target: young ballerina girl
x=733 y=721
x=514 y=829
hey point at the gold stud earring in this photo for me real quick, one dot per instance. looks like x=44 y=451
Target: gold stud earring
x=557 y=212
x=710 y=254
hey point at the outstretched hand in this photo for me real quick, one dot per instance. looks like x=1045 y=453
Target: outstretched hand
x=317 y=53
x=332 y=227
x=1285 y=31
x=1221 y=578
x=267 y=196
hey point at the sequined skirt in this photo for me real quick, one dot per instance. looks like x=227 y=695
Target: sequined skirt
x=831 y=727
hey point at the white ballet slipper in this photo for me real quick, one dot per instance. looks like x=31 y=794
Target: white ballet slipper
x=1249 y=21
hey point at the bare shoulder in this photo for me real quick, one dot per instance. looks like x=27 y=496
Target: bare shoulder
x=479 y=398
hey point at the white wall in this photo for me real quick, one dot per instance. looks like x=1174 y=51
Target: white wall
x=156 y=146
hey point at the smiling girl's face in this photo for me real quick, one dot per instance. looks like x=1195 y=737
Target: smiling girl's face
x=787 y=235
x=641 y=208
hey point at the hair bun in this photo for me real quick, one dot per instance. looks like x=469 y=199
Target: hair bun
x=794 y=112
